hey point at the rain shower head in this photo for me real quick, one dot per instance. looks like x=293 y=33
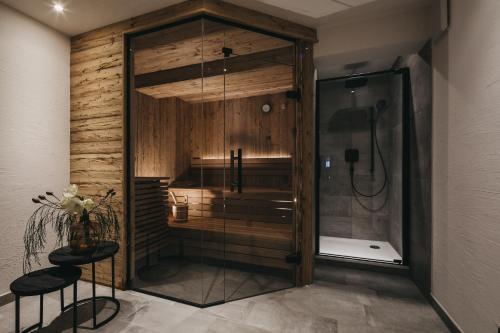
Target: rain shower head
x=355 y=82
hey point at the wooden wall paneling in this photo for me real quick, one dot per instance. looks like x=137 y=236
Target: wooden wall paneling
x=97 y=91
x=305 y=169
x=259 y=134
x=163 y=142
x=263 y=173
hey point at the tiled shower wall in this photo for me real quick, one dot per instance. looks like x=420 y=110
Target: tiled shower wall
x=344 y=123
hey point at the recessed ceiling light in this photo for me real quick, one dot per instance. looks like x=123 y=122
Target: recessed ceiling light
x=58 y=7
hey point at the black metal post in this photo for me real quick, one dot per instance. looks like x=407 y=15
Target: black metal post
x=40 y=324
x=240 y=166
x=62 y=299
x=75 y=313
x=113 y=276
x=231 y=170
x=94 y=317
x=372 y=141
x=18 y=315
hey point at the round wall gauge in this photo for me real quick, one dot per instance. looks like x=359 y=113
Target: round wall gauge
x=266 y=108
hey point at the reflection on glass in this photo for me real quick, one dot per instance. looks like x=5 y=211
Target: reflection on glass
x=207 y=228
x=360 y=145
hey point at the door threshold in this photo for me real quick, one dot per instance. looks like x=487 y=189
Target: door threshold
x=363 y=264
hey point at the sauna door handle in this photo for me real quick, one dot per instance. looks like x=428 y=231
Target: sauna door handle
x=238 y=181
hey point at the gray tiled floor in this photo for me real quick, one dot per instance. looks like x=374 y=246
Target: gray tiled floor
x=341 y=300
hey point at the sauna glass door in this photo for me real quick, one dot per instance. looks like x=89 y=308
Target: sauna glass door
x=211 y=159
x=259 y=122
x=177 y=224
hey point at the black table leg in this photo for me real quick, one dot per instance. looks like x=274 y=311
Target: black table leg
x=75 y=313
x=113 y=276
x=18 y=315
x=94 y=308
x=62 y=299
x=40 y=325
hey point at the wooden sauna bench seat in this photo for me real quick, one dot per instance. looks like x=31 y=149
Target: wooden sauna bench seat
x=254 y=204
x=249 y=242
x=256 y=227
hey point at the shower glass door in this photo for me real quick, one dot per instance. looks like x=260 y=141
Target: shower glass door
x=360 y=187
x=259 y=144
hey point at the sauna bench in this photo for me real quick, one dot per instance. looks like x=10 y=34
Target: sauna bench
x=255 y=228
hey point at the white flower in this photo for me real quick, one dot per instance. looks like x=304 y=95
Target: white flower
x=88 y=204
x=70 y=191
x=72 y=205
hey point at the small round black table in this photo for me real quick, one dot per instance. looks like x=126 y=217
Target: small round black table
x=42 y=282
x=106 y=249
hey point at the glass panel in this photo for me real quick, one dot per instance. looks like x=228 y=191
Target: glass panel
x=259 y=148
x=167 y=186
x=207 y=228
x=361 y=152
x=210 y=124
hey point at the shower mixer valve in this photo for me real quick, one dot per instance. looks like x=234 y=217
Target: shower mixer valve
x=351 y=157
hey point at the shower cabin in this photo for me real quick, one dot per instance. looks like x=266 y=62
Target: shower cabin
x=212 y=145
x=362 y=163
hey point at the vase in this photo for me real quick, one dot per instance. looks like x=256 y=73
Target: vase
x=82 y=239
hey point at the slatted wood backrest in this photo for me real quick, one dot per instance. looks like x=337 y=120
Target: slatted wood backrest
x=151 y=209
x=257 y=172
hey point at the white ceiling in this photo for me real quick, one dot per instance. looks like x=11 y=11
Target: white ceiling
x=85 y=15
x=316 y=8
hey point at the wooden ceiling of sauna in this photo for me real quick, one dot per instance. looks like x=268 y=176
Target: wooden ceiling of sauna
x=180 y=62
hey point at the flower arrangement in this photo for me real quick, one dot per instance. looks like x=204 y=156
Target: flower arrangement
x=80 y=221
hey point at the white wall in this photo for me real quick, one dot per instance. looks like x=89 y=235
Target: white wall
x=379 y=40
x=466 y=166
x=34 y=127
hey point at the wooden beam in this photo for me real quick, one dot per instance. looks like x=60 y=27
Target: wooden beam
x=305 y=170
x=260 y=81
x=235 y=64
x=241 y=15
x=177 y=34
x=203 y=48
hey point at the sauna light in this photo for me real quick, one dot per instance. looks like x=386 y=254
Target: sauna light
x=58 y=7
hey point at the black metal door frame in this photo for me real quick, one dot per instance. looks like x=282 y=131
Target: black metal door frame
x=127 y=139
x=406 y=119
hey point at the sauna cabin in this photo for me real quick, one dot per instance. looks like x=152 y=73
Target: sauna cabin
x=212 y=145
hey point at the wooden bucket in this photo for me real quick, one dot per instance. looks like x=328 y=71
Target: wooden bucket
x=180 y=209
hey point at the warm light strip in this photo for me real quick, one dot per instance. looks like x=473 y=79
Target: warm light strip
x=207 y=158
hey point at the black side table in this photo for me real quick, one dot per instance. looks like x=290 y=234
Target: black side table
x=106 y=249
x=42 y=282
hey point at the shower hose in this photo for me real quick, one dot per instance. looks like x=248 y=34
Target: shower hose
x=353 y=185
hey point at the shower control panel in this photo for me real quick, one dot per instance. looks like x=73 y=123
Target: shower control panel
x=327 y=165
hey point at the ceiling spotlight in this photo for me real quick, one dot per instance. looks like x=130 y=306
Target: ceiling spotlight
x=58 y=7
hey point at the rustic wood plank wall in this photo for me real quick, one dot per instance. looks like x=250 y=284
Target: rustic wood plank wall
x=98 y=100
x=163 y=137
x=305 y=174
x=259 y=134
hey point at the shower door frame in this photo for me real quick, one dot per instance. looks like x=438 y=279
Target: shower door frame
x=406 y=191
x=129 y=146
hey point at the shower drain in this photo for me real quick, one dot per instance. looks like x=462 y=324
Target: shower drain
x=376 y=247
